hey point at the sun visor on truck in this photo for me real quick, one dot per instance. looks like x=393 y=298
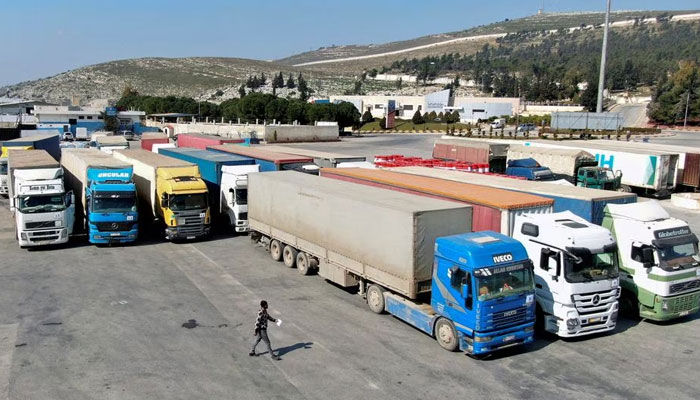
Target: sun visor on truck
x=674 y=241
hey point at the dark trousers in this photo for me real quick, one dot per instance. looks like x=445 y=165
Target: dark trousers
x=262 y=335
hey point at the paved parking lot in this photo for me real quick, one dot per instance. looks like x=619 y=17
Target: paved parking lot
x=86 y=322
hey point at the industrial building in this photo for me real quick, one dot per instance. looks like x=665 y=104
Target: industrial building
x=68 y=118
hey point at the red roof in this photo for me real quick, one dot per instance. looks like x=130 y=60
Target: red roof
x=277 y=158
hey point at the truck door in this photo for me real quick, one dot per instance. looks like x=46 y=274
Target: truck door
x=453 y=291
x=70 y=212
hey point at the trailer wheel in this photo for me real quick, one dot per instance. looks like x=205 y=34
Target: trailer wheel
x=289 y=256
x=446 y=335
x=625 y=189
x=276 y=250
x=375 y=299
x=303 y=263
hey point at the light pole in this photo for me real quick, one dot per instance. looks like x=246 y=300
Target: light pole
x=601 y=79
x=687 y=102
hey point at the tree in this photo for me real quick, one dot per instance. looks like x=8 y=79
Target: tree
x=304 y=90
x=290 y=82
x=241 y=91
x=589 y=97
x=367 y=117
x=358 y=88
x=345 y=114
x=129 y=91
x=399 y=83
x=111 y=122
x=417 y=118
x=382 y=123
x=278 y=81
x=426 y=117
x=441 y=116
x=432 y=116
x=674 y=95
x=373 y=73
x=263 y=80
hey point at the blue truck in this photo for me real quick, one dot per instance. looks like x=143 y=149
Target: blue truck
x=530 y=169
x=106 y=203
x=406 y=254
x=226 y=176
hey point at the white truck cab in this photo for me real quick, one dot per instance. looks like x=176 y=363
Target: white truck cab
x=234 y=194
x=576 y=272
x=659 y=262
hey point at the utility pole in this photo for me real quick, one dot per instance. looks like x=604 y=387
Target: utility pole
x=601 y=79
x=687 y=102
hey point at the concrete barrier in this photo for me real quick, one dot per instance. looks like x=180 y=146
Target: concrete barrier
x=689 y=201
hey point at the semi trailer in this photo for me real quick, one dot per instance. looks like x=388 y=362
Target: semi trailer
x=202 y=141
x=106 y=204
x=171 y=192
x=321 y=158
x=472 y=151
x=269 y=160
x=108 y=144
x=407 y=254
x=150 y=139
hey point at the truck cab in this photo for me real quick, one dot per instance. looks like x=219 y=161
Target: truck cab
x=659 y=261
x=184 y=202
x=600 y=178
x=3 y=176
x=530 y=169
x=483 y=290
x=111 y=207
x=576 y=272
x=234 y=194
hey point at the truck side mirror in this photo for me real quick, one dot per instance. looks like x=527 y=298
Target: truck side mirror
x=70 y=199
x=545 y=255
x=164 y=200
x=647 y=255
x=467 y=291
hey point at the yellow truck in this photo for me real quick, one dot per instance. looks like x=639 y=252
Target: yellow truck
x=172 y=191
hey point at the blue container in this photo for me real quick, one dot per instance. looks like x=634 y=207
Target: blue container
x=209 y=162
x=50 y=143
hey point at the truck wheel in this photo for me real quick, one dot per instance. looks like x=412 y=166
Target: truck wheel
x=289 y=256
x=375 y=299
x=303 y=263
x=276 y=250
x=625 y=189
x=629 y=305
x=446 y=335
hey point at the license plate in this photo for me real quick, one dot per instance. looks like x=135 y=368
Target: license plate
x=509 y=338
x=594 y=320
x=113 y=234
x=683 y=313
x=190 y=237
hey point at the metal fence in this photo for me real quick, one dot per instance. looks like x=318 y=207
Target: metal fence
x=606 y=121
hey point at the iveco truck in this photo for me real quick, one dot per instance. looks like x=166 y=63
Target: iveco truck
x=406 y=253
x=659 y=262
x=106 y=195
x=576 y=272
x=170 y=191
x=44 y=212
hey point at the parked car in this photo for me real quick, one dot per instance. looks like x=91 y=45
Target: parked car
x=128 y=135
x=498 y=124
x=526 y=127
x=68 y=136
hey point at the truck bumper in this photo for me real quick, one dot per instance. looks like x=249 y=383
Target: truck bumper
x=672 y=307
x=44 y=237
x=97 y=237
x=3 y=190
x=583 y=325
x=484 y=343
x=186 y=233
x=242 y=226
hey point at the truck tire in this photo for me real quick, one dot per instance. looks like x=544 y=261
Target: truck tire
x=276 y=250
x=625 y=189
x=303 y=263
x=446 y=334
x=375 y=299
x=289 y=256
x=629 y=305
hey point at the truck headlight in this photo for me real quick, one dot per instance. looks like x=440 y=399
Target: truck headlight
x=482 y=338
x=23 y=236
x=59 y=224
x=173 y=222
x=572 y=323
x=664 y=305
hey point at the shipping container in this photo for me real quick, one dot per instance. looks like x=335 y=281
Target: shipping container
x=28 y=159
x=321 y=158
x=472 y=151
x=202 y=141
x=382 y=235
x=588 y=204
x=564 y=163
x=149 y=139
x=494 y=209
x=50 y=143
x=268 y=160
x=209 y=162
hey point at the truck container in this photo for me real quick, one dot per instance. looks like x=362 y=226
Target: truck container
x=493 y=209
x=50 y=143
x=202 y=141
x=405 y=254
x=149 y=139
x=472 y=151
x=81 y=133
x=659 y=269
x=171 y=191
x=226 y=176
x=267 y=160
x=564 y=163
x=588 y=204
x=157 y=146
x=44 y=212
x=4 y=190
x=108 y=144
x=106 y=204
x=529 y=169
x=321 y=158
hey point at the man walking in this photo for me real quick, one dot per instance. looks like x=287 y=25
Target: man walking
x=261 y=330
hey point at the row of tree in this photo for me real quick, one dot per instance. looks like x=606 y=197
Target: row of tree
x=677 y=96
x=254 y=82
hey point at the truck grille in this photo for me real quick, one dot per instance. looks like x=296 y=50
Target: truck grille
x=115 y=226
x=683 y=286
x=243 y=216
x=503 y=319
x=592 y=303
x=683 y=303
x=40 y=224
x=191 y=225
x=43 y=236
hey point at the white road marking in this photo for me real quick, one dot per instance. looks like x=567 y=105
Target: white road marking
x=8 y=338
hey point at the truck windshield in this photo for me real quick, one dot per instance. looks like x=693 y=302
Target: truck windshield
x=504 y=281
x=3 y=168
x=183 y=202
x=589 y=267
x=114 y=204
x=241 y=196
x=677 y=254
x=39 y=204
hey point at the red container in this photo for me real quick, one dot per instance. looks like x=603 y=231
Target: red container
x=149 y=139
x=201 y=141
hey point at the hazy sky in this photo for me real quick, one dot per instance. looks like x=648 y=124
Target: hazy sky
x=45 y=37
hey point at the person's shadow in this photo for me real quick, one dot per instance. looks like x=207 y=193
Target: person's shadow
x=288 y=349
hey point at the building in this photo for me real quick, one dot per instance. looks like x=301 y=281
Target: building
x=68 y=118
x=471 y=109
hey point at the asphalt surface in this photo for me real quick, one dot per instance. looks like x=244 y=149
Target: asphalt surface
x=634 y=115
x=160 y=320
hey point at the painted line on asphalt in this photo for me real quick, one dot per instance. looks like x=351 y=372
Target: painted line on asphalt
x=308 y=373
x=8 y=338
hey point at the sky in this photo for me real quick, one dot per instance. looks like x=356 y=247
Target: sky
x=42 y=38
